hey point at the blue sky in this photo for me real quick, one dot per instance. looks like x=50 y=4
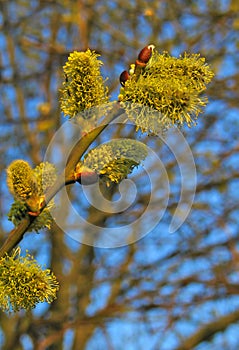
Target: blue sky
x=224 y=135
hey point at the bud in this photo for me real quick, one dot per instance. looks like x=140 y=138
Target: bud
x=84 y=175
x=124 y=76
x=88 y=178
x=28 y=186
x=145 y=54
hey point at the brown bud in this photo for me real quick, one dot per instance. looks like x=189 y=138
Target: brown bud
x=88 y=178
x=124 y=76
x=145 y=54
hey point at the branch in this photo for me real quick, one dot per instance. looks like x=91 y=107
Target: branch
x=66 y=178
x=208 y=330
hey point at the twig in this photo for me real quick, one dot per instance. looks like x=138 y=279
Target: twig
x=66 y=178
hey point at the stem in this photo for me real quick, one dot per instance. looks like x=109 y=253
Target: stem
x=66 y=178
x=15 y=236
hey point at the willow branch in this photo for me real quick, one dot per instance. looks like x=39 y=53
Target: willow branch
x=66 y=178
x=209 y=330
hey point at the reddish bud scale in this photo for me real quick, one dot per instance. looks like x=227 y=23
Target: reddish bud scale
x=88 y=178
x=124 y=76
x=140 y=63
x=145 y=54
x=33 y=213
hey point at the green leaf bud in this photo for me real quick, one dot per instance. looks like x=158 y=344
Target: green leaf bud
x=44 y=176
x=20 y=209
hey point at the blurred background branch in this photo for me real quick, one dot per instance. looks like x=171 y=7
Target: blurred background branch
x=165 y=291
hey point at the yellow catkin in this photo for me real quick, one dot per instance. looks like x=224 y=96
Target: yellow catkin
x=21 y=180
x=167 y=91
x=84 y=86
